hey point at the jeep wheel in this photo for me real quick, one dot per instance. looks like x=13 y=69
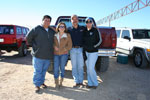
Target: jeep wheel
x=102 y=64
x=23 y=50
x=8 y=50
x=140 y=59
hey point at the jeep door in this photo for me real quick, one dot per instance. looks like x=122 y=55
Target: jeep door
x=19 y=35
x=124 y=42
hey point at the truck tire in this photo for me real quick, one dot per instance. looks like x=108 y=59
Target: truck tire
x=23 y=50
x=139 y=59
x=102 y=64
x=51 y=67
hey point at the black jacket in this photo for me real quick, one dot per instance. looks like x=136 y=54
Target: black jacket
x=76 y=35
x=41 y=42
x=91 y=40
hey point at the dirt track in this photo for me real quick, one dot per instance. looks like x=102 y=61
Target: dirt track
x=120 y=82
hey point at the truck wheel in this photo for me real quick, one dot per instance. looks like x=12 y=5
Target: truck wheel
x=50 y=68
x=23 y=50
x=140 y=59
x=102 y=64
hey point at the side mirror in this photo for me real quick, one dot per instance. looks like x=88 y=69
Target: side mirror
x=126 y=37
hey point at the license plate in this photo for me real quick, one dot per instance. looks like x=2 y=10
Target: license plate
x=1 y=40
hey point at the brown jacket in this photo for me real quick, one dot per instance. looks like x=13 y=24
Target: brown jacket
x=63 y=45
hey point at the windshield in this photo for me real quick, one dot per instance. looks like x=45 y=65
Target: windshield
x=6 y=29
x=141 y=34
x=68 y=22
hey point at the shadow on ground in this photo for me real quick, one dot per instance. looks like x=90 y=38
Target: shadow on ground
x=16 y=59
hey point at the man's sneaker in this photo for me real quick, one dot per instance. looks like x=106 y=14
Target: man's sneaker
x=94 y=87
x=37 y=89
x=82 y=85
x=44 y=86
x=76 y=85
x=87 y=86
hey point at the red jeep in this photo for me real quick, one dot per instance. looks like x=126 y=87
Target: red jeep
x=12 y=37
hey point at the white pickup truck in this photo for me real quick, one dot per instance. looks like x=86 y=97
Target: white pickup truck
x=136 y=43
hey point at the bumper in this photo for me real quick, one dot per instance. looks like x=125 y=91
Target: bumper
x=107 y=52
x=8 y=46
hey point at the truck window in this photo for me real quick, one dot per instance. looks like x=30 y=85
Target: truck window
x=148 y=33
x=141 y=34
x=19 y=30
x=118 y=33
x=125 y=33
x=82 y=22
x=6 y=29
x=68 y=23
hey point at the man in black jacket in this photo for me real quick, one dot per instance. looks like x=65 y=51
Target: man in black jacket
x=41 y=40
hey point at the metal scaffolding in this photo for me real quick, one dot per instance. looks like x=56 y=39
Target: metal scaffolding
x=135 y=6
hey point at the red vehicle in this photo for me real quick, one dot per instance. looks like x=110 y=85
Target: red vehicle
x=12 y=37
x=109 y=39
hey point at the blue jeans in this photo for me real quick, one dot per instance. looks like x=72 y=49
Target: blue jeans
x=40 y=68
x=77 y=62
x=59 y=65
x=91 y=73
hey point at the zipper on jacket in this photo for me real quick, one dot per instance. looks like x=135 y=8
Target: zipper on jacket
x=48 y=35
x=59 y=46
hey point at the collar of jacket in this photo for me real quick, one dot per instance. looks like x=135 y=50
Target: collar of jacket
x=49 y=28
x=75 y=28
x=63 y=36
x=90 y=29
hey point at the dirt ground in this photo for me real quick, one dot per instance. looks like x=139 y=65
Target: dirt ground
x=120 y=82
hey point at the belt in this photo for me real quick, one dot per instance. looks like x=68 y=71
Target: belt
x=76 y=46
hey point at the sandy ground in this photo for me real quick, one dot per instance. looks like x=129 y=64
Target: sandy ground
x=120 y=82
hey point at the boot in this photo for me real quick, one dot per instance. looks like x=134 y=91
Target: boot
x=61 y=80
x=56 y=83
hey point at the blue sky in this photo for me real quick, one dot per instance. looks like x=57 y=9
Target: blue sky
x=30 y=12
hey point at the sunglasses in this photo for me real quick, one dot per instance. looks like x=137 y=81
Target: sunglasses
x=88 y=21
x=61 y=26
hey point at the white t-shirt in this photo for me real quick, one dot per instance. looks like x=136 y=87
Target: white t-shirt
x=46 y=29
